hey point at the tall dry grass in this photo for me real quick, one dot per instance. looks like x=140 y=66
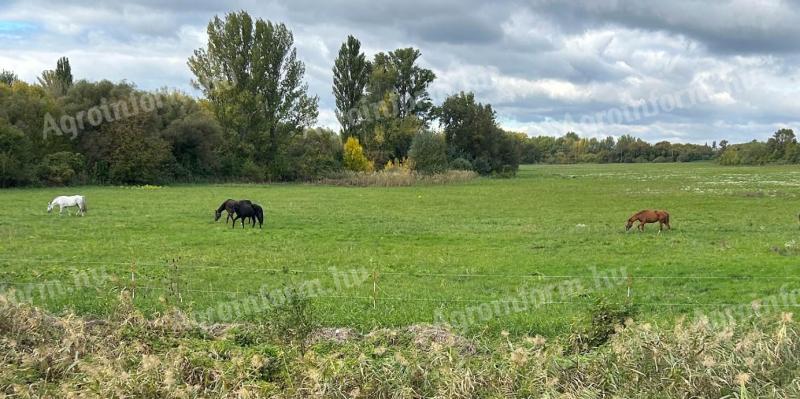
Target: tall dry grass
x=173 y=357
x=401 y=178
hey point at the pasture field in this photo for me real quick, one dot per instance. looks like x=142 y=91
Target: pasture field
x=423 y=249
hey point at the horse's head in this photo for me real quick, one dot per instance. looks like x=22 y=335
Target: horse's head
x=49 y=207
x=217 y=215
x=629 y=224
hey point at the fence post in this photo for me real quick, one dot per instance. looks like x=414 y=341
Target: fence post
x=133 y=279
x=374 y=289
x=630 y=288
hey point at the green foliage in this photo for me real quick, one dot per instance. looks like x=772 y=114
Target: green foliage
x=572 y=148
x=315 y=154
x=354 y=158
x=461 y=164
x=15 y=162
x=8 y=77
x=193 y=140
x=57 y=81
x=606 y=318
x=252 y=78
x=351 y=72
x=61 y=168
x=293 y=318
x=428 y=152
x=397 y=105
x=753 y=153
x=133 y=153
x=470 y=128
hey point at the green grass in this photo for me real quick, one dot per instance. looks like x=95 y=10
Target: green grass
x=727 y=222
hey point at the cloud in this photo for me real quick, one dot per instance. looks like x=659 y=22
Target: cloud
x=536 y=61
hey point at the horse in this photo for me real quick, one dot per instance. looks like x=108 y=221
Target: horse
x=649 y=216
x=227 y=205
x=245 y=209
x=66 y=202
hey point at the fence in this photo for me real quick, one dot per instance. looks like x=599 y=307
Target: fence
x=176 y=281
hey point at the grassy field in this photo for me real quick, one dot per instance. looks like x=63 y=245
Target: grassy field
x=420 y=250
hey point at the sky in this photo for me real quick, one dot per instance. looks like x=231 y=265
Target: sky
x=680 y=70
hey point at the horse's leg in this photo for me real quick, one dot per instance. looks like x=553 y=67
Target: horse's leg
x=233 y=225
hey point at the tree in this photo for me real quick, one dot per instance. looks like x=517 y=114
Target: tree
x=134 y=154
x=314 y=154
x=57 y=82
x=351 y=73
x=354 y=158
x=411 y=83
x=780 y=143
x=468 y=125
x=61 y=168
x=64 y=72
x=428 y=152
x=470 y=128
x=251 y=75
x=8 y=77
x=15 y=156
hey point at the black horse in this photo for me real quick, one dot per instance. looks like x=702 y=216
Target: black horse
x=226 y=206
x=245 y=209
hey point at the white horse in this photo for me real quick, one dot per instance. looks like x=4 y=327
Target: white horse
x=66 y=202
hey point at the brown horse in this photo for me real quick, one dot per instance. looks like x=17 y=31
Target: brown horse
x=649 y=216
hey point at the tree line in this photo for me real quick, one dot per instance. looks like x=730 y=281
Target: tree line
x=256 y=122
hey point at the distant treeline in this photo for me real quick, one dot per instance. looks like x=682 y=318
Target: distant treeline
x=571 y=148
x=782 y=147
x=255 y=122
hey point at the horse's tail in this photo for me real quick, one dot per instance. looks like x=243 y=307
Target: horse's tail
x=260 y=215
x=83 y=205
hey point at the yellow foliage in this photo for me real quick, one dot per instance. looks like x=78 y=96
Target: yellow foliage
x=398 y=166
x=354 y=158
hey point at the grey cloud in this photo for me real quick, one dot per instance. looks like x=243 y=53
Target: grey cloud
x=532 y=60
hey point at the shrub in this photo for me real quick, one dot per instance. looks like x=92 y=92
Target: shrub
x=461 y=164
x=354 y=158
x=61 y=168
x=14 y=156
x=428 y=153
x=314 y=154
x=482 y=166
x=252 y=172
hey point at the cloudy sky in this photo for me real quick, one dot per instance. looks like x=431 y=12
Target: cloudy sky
x=680 y=70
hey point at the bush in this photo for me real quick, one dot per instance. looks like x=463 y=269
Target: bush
x=460 y=164
x=354 y=158
x=482 y=166
x=61 y=168
x=315 y=154
x=14 y=154
x=428 y=153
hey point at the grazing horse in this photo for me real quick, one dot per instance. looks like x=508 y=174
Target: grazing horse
x=245 y=209
x=228 y=207
x=649 y=216
x=68 y=201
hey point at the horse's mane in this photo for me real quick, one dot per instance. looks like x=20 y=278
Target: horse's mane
x=221 y=207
